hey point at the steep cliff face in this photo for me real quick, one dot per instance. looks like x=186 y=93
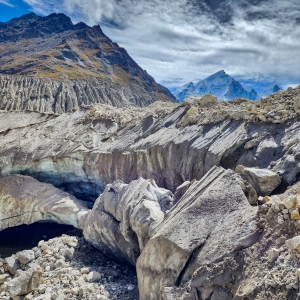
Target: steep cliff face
x=19 y=93
x=91 y=147
x=57 y=66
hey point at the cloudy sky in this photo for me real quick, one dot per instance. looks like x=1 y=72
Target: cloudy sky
x=178 y=41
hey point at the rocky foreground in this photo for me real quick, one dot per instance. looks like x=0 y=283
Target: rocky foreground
x=202 y=210
x=66 y=267
x=213 y=239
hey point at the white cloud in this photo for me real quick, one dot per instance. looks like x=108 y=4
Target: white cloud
x=187 y=40
x=6 y=2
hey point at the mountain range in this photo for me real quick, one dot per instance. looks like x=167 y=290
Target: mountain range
x=48 y=64
x=224 y=87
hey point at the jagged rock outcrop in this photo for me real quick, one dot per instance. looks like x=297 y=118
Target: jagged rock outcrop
x=257 y=259
x=54 y=66
x=212 y=221
x=125 y=216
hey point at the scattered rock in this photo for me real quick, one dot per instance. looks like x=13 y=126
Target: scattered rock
x=295 y=214
x=69 y=277
x=25 y=282
x=203 y=101
x=26 y=256
x=289 y=202
x=4 y=277
x=12 y=264
x=294 y=243
x=93 y=276
x=264 y=181
x=273 y=254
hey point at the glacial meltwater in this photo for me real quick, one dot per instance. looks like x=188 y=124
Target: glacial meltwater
x=25 y=237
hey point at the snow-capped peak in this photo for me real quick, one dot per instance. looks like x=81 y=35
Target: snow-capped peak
x=224 y=87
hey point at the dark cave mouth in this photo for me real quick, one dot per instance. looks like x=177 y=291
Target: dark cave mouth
x=26 y=237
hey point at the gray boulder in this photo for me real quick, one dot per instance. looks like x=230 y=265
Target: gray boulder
x=12 y=264
x=4 y=277
x=205 y=100
x=25 y=282
x=185 y=293
x=26 y=256
x=263 y=180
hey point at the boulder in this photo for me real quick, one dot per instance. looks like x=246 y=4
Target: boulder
x=295 y=214
x=297 y=105
x=213 y=219
x=12 y=264
x=69 y=253
x=4 y=277
x=263 y=180
x=201 y=101
x=273 y=254
x=25 y=282
x=294 y=243
x=207 y=100
x=93 y=276
x=289 y=202
x=186 y=293
x=26 y=256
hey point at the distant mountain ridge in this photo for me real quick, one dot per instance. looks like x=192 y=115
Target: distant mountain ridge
x=224 y=87
x=50 y=64
x=269 y=89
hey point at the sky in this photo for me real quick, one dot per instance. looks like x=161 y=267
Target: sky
x=178 y=41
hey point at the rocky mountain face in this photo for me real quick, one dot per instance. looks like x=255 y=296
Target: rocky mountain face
x=201 y=197
x=269 y=89
x=236 y=90
x=48 y=64
x=224 y=87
